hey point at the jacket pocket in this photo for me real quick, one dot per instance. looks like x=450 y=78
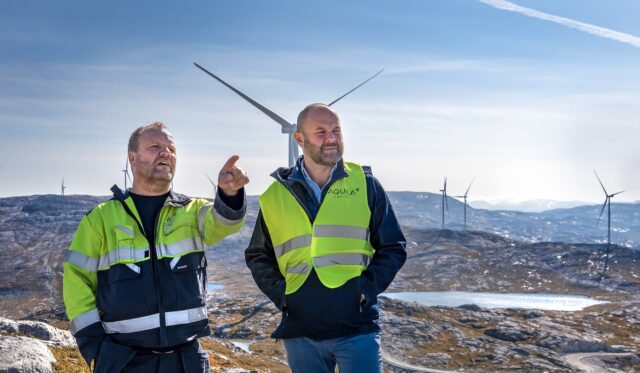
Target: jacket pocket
x=190 y=279
x=121 y=292
x=112 y=357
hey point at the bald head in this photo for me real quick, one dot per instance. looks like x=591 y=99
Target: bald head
x=315 y=109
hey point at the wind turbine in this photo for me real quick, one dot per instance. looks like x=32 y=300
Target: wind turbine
x=287 y=127
x=466 y=194
x=62 y=187
x=607 y=203
x=126 y=174
x=212 y=183
x=444 y=200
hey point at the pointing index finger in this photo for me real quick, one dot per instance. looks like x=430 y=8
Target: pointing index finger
x=231 y=162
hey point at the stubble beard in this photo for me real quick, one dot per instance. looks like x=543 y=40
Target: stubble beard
x=157 y=180
x=316 y=153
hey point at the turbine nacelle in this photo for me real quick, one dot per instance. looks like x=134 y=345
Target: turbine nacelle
x=286 y=127
x=289 y=129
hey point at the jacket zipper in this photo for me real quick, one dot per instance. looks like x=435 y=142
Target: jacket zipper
x=154 y=258
x=154 y=263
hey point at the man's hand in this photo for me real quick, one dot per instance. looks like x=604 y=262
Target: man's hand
x=232 y=178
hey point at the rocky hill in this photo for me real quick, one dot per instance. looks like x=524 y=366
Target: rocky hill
x=576 y=225
x=35 y=231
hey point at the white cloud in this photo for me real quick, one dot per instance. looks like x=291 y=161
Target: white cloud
x=586 y=27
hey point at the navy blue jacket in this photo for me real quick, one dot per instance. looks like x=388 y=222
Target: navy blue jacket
x=315 y=311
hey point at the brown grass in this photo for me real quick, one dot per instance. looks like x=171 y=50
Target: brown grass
x=68 y=360
x=222 y=357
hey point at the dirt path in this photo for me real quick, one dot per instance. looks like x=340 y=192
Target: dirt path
x=586 y=361
x=414 y=368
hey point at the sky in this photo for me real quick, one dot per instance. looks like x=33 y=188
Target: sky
x=529 y=96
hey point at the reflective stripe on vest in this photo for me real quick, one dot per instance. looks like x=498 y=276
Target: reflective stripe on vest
x=336 y=244
x=126 y=255
x=85 y=262
x=345 y=259
x=292 y=244
x=139 y=324
x=83 y=320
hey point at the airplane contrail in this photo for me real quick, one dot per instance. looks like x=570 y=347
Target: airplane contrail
x=586 y=27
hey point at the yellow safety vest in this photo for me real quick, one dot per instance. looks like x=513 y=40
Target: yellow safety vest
x=336 y=245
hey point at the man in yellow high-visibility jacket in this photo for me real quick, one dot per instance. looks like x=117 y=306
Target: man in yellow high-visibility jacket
x=325 y=244
x=135 y=273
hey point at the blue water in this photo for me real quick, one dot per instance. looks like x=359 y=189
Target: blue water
x=212 y=286
x=540 y=301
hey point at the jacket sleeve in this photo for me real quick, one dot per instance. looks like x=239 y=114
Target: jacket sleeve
x=261 y=260
x=222 y=218
x=79 y=289
x=386 y=238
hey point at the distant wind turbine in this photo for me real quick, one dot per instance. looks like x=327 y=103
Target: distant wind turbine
x=287 y=127
x=444 y=200
x=607 y=203
x=466 y=194
x=62 y=187
x=126 y=174
x=213 y=184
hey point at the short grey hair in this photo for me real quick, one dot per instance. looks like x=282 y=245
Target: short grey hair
x=135 y=136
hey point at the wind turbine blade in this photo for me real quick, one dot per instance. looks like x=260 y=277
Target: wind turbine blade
x=129 y=177
x=263 y=109
x=615 y=194
x=467 y=192
x=602 y=185
x=601 y=211
x=210 y=180
x=358 y=86
x=446 y=200
x=445 y=185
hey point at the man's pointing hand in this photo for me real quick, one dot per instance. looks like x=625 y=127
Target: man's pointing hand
x=231 y=177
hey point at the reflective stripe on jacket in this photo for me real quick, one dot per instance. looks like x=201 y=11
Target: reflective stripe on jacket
x=111 y=281
x=336 y=244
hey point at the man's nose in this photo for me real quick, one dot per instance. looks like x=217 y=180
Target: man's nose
x=331 y=137
x=165 y=151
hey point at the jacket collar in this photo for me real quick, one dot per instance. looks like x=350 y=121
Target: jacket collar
x=174 y=198
x=287 y=175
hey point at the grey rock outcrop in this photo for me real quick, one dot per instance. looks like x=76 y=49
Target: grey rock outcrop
x=23 y=354
x=46 y=333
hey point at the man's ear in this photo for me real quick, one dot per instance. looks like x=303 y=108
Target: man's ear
x=132 y=158
x=299 y=138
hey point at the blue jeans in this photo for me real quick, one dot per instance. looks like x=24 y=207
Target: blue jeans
x=354 y=354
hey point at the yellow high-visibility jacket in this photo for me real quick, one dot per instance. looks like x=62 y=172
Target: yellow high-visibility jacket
x=336 y=244
x=116 y=284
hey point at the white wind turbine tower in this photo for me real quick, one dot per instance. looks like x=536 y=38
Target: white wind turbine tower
x=466 y=194
x=287 y=127
x=215 y=187
x=126 y=174
x=444 y=200
x=607 y=203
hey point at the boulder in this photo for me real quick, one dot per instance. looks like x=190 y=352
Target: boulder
x=47 y=333
x=8 y=326
x=23 y=354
